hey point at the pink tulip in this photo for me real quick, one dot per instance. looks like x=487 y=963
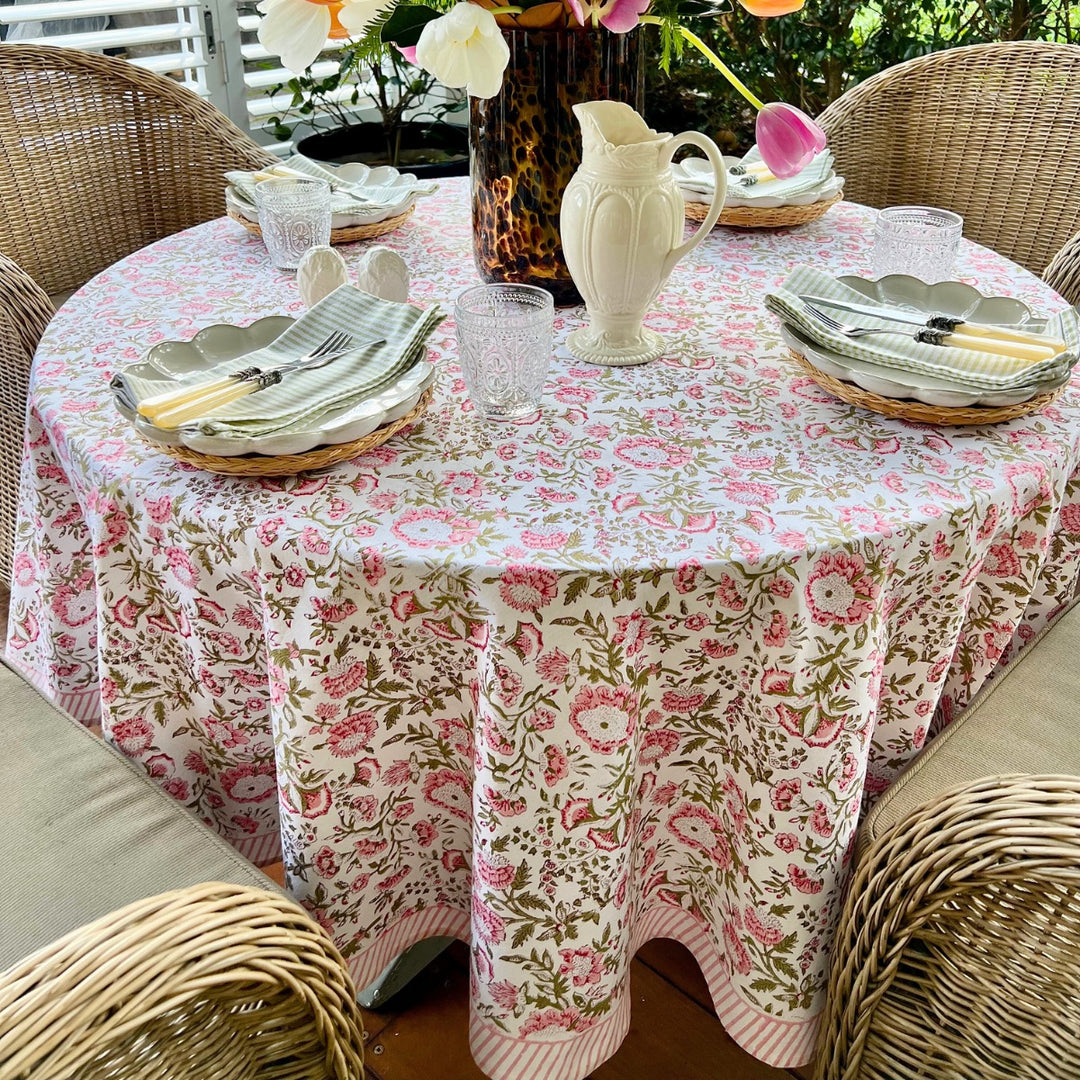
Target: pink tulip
x=618 y=16
x=787 y=138
x=408 y=51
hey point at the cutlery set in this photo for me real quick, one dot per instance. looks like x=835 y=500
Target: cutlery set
x=187 y=403
x=938 y=330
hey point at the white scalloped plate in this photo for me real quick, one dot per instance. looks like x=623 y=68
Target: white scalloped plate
x=360 y=175
x=223 y=341
x=941 y=298
x=946 y=298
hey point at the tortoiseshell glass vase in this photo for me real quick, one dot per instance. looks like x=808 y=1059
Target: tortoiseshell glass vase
x=525 y=145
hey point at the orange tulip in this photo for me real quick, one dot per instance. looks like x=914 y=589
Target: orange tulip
x=543 y=16
x=767 y=9
x=552 y=15
x=337 y=31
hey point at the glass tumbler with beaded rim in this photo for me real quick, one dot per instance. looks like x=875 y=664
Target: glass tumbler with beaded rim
x=504 y=339
x=921 y=241
x=294 y=216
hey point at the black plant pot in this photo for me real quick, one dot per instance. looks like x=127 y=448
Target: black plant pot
x=427 y=152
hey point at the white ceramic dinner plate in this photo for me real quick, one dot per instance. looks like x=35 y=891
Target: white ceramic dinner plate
x=359 y=175
x=222 y=341
x=942 y=298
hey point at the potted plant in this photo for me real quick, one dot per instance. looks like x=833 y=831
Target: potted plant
x=413 y=132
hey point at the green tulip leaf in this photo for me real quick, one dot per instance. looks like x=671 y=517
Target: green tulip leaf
x=405 y=23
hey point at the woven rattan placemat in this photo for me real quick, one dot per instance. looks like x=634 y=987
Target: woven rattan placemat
x=764 y=217
x=291 y=464
x=918 y=411
x=347 y=235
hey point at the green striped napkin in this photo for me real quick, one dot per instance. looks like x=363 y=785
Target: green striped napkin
x=302 y=395
x=898 y=350
x=356 y=197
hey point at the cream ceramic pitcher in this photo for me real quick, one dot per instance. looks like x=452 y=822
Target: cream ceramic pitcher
x=621 y=227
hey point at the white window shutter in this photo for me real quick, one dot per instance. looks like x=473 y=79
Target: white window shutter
x=162 y=35
x=211 y=47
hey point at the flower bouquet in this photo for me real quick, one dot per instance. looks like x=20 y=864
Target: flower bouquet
x=524 y=66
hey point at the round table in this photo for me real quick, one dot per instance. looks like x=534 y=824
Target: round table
x=625 y=669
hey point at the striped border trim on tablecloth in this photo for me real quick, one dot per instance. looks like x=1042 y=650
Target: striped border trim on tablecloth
x=784 y=1044
x=83 y=705
x=260 y=850
x=572 y=1057
x=776 y=1042
x=439 y=921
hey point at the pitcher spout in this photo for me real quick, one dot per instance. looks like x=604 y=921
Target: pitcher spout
x=610 y=125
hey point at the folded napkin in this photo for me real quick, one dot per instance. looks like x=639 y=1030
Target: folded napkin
x=346 y=197
x=699 y=184
x=898 y=349
x=302 y=395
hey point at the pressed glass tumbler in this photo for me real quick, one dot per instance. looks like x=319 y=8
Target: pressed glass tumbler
x=294 y=216
x=504 y=338
x=918 y=240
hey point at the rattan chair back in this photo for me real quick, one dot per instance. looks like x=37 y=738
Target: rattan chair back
x=24 y=312
x=958 y=952
x=1063 y=273
x=99 y=158
x=991 y=132
x=212 y=982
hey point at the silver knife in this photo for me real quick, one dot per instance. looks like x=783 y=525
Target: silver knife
x=942 y=322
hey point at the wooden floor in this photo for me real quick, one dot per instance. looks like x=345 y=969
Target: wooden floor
x=674 y=1034
x=422 y=1034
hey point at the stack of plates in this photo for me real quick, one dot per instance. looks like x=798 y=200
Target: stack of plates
x=355 y=178
x=816 y=183
x=213 y=345
x=909 y=294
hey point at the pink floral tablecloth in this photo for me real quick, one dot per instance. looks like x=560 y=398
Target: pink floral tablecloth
x=623 y=670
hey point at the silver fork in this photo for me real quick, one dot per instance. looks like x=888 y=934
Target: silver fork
x=178 y=407
x=159 y=403
x=928 y=335
x=925 y=335
x=337 y=344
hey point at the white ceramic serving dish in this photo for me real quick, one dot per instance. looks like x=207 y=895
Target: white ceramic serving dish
x=214 y=344
x=942 y=298
x=357 y=175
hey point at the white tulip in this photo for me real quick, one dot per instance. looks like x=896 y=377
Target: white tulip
x=465 y=47
x=297 y=30
x=357 y=14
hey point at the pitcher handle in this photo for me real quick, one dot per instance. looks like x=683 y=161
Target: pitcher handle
x=712 y=152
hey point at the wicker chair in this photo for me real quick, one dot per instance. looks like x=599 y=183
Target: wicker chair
x=117 y=959
x=211 y=982
x=100 y=158
x=24 y=312
x=958 y=953
x=989 y=131
x=1063 y=273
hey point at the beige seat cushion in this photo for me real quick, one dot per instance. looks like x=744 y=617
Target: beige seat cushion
x=1024 y=721
x=84 y=831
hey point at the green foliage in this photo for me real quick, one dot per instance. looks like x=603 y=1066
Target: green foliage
x=396 y=88
x=809 y=59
